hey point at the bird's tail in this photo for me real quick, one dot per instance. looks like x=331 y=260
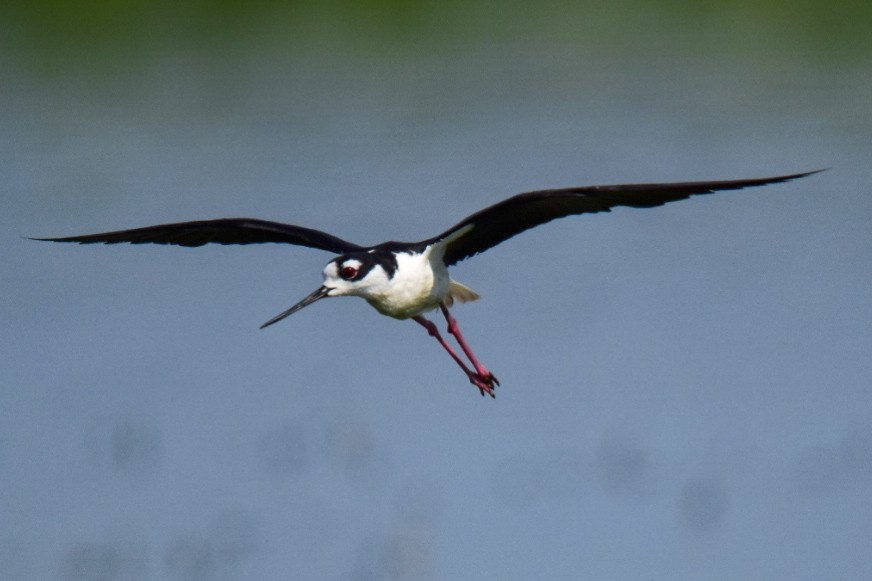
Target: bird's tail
x=460 y=293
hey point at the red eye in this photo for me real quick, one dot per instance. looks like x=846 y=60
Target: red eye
x=348 y=272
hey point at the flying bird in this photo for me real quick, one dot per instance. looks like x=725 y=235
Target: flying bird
x=404 y=280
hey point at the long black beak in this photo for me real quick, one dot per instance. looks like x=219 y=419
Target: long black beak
x=317 y=295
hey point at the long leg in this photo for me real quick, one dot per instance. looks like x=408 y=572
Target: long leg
x=480 y=369
x=477 y=380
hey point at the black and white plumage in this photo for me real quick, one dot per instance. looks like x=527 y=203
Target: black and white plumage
x=407 y=279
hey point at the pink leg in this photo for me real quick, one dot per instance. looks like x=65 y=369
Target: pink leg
x=480 y=369
x=483 y=384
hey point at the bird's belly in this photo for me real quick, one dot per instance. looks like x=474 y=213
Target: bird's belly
x=409 y=297
x=406 y=302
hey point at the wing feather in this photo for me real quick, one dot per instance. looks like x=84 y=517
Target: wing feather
x=220 y=231
x=505 y=219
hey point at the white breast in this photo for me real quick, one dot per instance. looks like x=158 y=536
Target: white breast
x=419 y=284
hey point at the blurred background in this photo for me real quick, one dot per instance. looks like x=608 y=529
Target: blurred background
x=685 y=390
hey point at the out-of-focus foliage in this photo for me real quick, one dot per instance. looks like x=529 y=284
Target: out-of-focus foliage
x=52 y=31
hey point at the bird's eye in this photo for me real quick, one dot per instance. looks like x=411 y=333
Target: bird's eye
x=348 y=272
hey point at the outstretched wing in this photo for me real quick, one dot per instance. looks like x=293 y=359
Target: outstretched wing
x=497 y=223
x=221 y=231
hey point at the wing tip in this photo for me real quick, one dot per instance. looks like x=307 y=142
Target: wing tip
x=77 y=240
x=797 y=176
x=40 y=239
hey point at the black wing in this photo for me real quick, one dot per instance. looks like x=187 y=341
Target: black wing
x=221 y=231
x=505 y=219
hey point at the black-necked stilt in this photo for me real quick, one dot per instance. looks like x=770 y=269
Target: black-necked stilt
x=407 y=279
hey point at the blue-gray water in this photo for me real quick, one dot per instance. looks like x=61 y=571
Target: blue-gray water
x=686 y=390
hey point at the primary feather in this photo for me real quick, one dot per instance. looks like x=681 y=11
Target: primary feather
x=512 y=216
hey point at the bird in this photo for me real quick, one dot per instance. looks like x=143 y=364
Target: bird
x=405 y=280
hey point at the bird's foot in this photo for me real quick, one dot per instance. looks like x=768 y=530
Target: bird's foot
x=484 y=383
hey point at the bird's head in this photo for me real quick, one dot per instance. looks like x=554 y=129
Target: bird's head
x=362 y=274
x=357 y=274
